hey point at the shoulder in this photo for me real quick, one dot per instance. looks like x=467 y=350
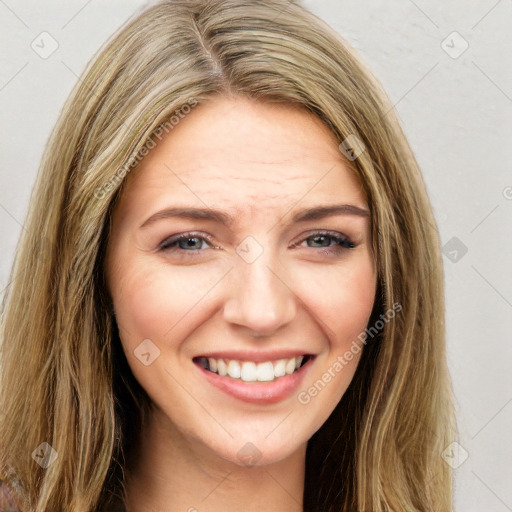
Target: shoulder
x=7 y=502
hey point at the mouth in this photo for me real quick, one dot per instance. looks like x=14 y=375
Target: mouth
x=256 y=381
x=252 y=371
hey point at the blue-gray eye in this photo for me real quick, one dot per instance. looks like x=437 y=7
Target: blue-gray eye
x=192 y=243
x=341 y=241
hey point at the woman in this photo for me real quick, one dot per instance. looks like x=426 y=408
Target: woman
x=185 y=343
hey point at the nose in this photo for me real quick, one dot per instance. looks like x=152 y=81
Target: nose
x=260 y=297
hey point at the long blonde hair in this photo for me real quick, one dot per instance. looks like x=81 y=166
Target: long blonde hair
x=64 y=379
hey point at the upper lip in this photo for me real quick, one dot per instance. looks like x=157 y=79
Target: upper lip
x=257 y=356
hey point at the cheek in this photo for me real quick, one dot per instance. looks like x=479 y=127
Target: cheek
x=149 y=306
x=153 y=301
x=343 y=300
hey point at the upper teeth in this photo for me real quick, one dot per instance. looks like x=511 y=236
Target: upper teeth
x=250 y=371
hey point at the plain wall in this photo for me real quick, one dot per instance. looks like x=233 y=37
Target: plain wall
x=455 y=110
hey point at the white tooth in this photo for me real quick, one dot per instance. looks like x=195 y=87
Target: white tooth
x=221 y=368
x=280 y=368
x=265 y=371
x=298 y=361
x=212 y=363
x=234 y=369
x=290 y=365
x=248 y=372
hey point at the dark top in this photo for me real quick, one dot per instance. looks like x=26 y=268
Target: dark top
x=7 y=501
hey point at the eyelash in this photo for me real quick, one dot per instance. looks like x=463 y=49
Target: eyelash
x=342 y=242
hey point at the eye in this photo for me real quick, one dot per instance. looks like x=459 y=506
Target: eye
x=192 y=243
x=187 y=242
x=341 y=242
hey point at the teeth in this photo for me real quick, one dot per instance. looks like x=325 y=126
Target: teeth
x=213 y=364
x=249 y=371
x=265 y=372
x=221 y=368
x=280 y=368
x=234 y=369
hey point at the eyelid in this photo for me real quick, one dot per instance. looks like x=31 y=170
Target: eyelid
x=325 y=232
x=188 y=234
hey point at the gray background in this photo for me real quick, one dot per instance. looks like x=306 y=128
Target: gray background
x=456 y=112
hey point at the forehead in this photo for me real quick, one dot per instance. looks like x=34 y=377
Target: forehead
x=247 y=155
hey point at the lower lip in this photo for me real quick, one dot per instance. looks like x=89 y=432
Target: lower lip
x=258 y=392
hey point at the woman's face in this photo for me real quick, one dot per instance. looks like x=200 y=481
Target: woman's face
x=253 y=285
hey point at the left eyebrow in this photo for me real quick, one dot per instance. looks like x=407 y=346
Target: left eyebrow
x=321 y=212
x=306 y=214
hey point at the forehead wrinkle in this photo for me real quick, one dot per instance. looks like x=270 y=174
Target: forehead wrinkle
x=238 y=177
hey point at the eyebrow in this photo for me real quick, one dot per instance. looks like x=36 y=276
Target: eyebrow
x=209 y=214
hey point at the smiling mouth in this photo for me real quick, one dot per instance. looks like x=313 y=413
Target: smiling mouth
x=249 y=371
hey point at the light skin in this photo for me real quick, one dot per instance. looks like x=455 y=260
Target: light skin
x=261 y=164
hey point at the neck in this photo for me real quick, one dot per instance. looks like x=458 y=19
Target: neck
x=171 y=473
